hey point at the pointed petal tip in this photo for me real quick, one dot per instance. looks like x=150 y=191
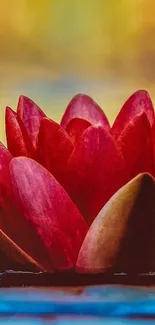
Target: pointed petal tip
x=83 y=106
x=76 y=127
x=135 y=143
x=31 y=115
x=8 y=110
x=138 y=102
x=143 y=176
x=18 y=140
x=54 y=148
x=23 y=97
x=90 y=166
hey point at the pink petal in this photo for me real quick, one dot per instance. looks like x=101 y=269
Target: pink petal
x=76 y=127
x=48 y=211
x=18 y=140
x=96 y=170
x=5 y=183
x=122 y=236
x=54 y=148
x=135 y=143
x=137 y=103
x=31 y=115
x=83 y=106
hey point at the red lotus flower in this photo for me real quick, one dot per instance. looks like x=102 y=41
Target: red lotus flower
x=51 y=195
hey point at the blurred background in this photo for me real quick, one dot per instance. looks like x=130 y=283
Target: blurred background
x=52 y=49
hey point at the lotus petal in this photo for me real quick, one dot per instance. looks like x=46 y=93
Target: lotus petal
x=122 y=237
x=5 y=186
x=18 y=140
x=83 y=106
x=5 y=158
x=54 y=148
x=137 y=103
x=48 y=212
x=153 y=141
x=96 y=170
x=16 y=254
x=135 y=143
x=31 y=115
x=76 y=127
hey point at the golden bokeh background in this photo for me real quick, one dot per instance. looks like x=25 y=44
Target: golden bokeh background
x=53 y=49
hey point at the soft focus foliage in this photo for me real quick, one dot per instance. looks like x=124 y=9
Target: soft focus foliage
x=52 y=49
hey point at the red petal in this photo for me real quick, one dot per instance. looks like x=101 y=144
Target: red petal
x=83 y=106
x=123 y=234
x=9 y=216
x=96 y=171
x=153 y=141
x=5 y=158
x=137 y=103
x=16 y=254
x=135 y=142
x=31 y=115
x=54 y=148
x=48 y=211
x=18 y=140
x=14 y=226
x=76 y=127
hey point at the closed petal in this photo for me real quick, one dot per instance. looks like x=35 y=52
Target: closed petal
x=54 y=148
x=83 y=106
x=18 y=140
x=48 y=212
x=137 y=103
x=135 y=143
x=96 y=170
x=31 y=115
x=122 y=237
x=76 y=127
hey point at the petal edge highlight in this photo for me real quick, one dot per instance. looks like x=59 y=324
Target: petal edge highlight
x=137 y=103
x=31 y=114
x=123 y=232
x=83 y=106
x=49 y=211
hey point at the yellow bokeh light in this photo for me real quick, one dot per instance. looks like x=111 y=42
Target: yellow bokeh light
x=47 y=42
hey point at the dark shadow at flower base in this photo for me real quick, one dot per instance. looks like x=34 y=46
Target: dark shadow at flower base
x=18 y=278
